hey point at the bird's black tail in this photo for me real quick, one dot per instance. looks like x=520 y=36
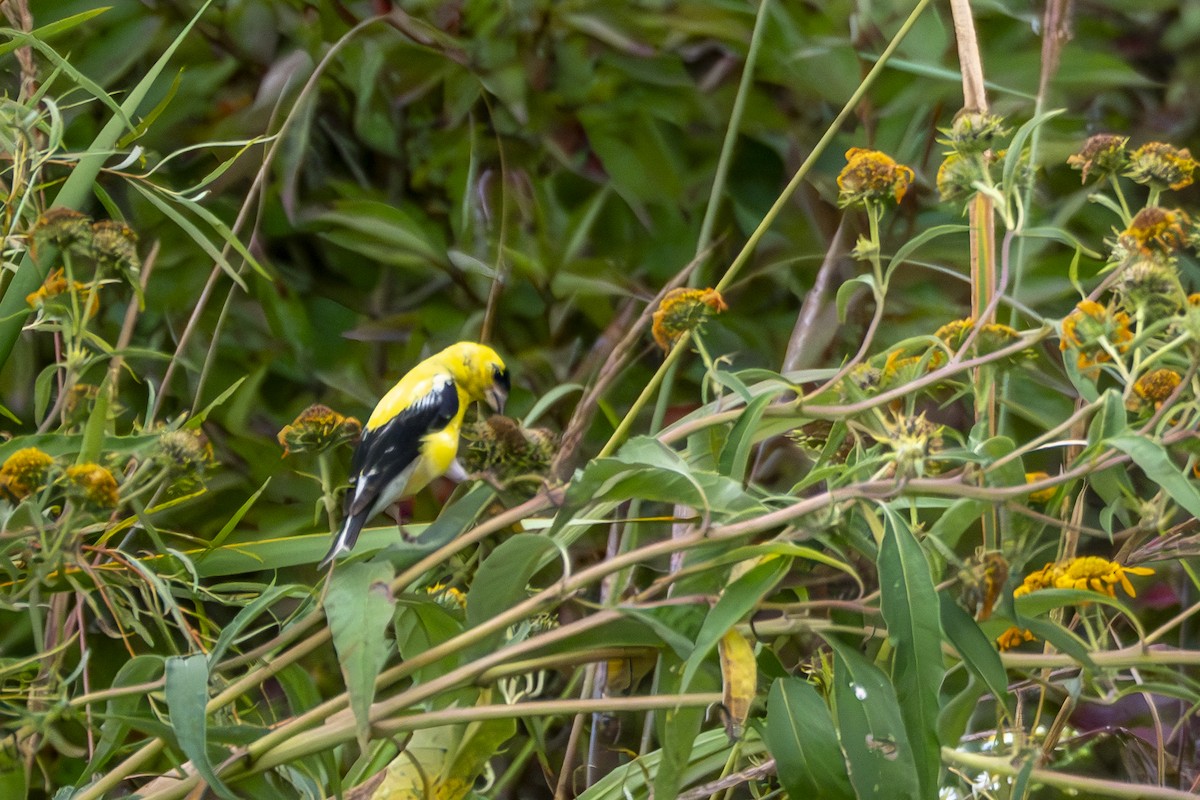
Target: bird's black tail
x=345 y=539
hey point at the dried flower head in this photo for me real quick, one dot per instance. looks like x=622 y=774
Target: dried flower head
x=1014 y=637
x=1090 y=324
x=185 y=452
x=1161 y=166
x=1089 y=573
x=956 y=177
x=25 y=472
x=115 y=244
x=318 y=428
x=53 y=298
x=982 y=579
x=1156 y=229
x=1103 y=154
x=1041 y=495
x=92 y=487
x=871 y=177
x=1154 y=388
x=683 y=310
x=64 y=228
x=974 y=132
x=499 y=445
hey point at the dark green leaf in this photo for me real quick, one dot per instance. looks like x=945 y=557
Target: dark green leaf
x=187 y=700
x=803 y=740
x=909 y=603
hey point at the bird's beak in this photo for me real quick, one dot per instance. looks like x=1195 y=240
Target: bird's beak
x=496 y=397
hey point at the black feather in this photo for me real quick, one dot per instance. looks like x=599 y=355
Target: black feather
x=383 y=454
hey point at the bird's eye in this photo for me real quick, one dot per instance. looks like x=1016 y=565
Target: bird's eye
x=500 y=376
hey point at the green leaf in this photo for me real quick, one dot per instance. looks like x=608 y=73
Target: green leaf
x=120 y=707
x=1037 y=604
x=976 y=651
x=908 y=248
x=909 y=603
x=737 y=600
x=1155 y=461
x=230 y=631
x=75 y=191
x=847 y=289
x=880 y=759
x=359 y=606
x=801 y=737
x=193 y=231
x=1016 y=147
x=502 y=581
x=735 y=455
x=187 y=699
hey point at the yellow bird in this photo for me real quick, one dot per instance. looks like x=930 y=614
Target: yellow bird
x=412 y=435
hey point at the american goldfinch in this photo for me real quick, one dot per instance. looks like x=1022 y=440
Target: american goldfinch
x=412 y=435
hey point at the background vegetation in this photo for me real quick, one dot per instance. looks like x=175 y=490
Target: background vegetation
x=774 y=557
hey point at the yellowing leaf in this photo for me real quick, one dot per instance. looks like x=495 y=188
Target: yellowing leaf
x=739 y=680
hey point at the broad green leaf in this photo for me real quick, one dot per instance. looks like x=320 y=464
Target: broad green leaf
x=803 y=740
x=955 y=520
x=502 y=581
x=187 y=699
x=881 y=762
x=976 y=651
x=737 y=600
x=677 y=728
x=909 y=603
x=359 y=606
x=137 y=670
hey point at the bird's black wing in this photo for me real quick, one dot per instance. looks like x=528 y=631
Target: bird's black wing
x=384 y=453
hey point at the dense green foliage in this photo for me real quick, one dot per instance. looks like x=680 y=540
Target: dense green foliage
x=776 y=548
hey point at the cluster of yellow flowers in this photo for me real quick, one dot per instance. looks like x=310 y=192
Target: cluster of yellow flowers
x=1090 y=573
x=29 y=470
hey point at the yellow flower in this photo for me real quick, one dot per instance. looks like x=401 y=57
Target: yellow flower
x=1150 y=284
x=1041 y=495
x=1014 y=637
x=683 y=310
x=447 y=596
x=1089 y=573
x=317 y=428
x=955 y=333
x=1085 y=327
x=92 y=486
x=25 y=472
x=56 y=286
x=1098 y=575
x=1103 y=154
x=871 y=177
x=1162 y=166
